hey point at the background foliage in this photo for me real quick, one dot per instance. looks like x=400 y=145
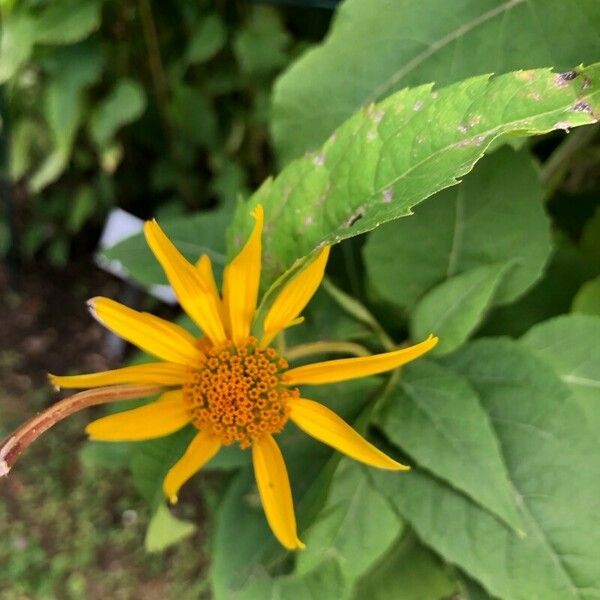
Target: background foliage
x=455 y=219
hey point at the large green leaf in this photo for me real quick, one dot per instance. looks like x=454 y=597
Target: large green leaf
x=455 y=307
x=495 y=215
x=435 y=416
x=553 y=462
x=571 y=344
x=408 y=572
x=356 y=526
x=390 y=156
x=376 y=47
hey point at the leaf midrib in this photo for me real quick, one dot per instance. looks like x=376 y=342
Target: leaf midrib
x=437 y=45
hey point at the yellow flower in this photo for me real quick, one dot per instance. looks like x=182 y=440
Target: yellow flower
x=230 y=385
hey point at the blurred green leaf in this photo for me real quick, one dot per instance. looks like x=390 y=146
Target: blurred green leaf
x=24 y=140
x=73 y=69
x=67 y=21
x=193 y=116
x=391 y=156
x=408 y=572
x=124 y=104
x=376 y=47
x=166 y=530
x=81 y=209
x=355 y=527
x=553 y=461
x=454 y=308
x=17 y=37
x=436 y=417
x=496 y=214
x=260 y=46
x=570 y=345
x=207 y=40
x=587 y=300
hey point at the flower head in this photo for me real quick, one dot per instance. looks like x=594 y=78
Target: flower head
x=230 y=384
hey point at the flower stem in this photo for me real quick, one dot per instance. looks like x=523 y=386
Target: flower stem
x=20 y=439
x=303 y=350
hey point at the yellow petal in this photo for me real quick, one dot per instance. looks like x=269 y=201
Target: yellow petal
x=324 y=425
x=162 y=373
x=241 y=280
x=194 y=294
x=204 y=267
x=201 y=449
x=148 y=332
x=275 y=492
x=294 y=297
x=351 y=368
x=157 y=419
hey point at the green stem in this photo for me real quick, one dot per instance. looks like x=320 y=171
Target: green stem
x=557 y=166
x=304 y=350
x=354 y=308
x=159 y=78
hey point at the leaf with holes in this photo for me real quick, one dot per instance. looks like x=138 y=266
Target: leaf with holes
x=390 y=156
x=419 y=42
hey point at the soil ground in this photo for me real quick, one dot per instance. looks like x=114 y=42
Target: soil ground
x=69 y=532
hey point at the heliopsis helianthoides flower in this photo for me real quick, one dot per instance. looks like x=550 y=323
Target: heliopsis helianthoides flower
x=230 y=384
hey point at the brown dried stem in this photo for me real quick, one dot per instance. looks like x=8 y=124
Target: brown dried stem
x=20 y=439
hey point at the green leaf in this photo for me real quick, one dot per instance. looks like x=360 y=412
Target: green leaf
x=17 y=37
x=390 y=156
x=435 y=416
x=68 y=21
x=418 y=42
x=73 y=69
x=260 y=45
x=356 y=526
x=570 y=345
x=82 y=208
x=193 y=116
x=151 y=460
x=495 y=215
x=24 y=141
x=553 y=462
x=202 y=233
x=453 y=309
x=124 y=104
x=587 y=300
x=552 y=295
x=207 y=40
x=409 y=572
x=590 y=240
x=166 y=530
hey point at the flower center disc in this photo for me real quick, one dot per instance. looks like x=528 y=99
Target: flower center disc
x=237 y=393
